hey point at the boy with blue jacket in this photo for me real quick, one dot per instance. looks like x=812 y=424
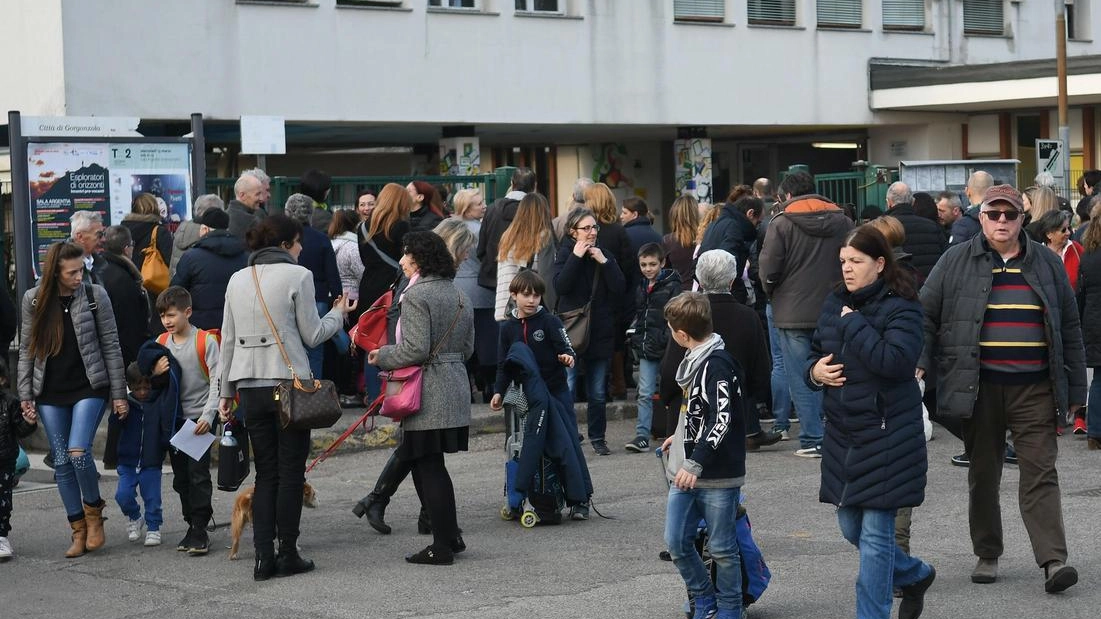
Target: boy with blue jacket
x=706 y=461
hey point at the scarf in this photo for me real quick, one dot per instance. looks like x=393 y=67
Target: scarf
x=694 y=358
x=271 y=255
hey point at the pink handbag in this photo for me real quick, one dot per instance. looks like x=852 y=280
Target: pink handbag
x=403 y=385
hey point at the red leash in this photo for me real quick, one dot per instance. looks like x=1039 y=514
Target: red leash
x=372 y=411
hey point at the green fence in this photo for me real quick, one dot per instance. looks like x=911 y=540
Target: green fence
x=859 y=188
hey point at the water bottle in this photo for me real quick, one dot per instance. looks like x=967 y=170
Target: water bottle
x=228 y=440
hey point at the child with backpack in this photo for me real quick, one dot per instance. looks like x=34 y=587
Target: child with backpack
x=649 y=334
x=197 y=353
x=706 y=461
x=14 y=425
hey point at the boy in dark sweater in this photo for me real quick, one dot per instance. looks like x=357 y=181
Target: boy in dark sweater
x=706 y=461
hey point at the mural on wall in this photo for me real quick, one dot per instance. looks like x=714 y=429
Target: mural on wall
x=693 y=168
x=612 y=166
x=460 y=156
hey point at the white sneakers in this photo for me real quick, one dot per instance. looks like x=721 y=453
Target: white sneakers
x=5 y=549
x=134 y=529
x=153 y=538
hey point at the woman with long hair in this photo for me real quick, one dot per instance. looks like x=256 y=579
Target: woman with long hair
x=436 y=317
x=342 y=234
x=143 y=218
x=70 y=366
x=252 y=364
x=527 y=243
x=613 y=238
x=1038 y=200
x=428 y=208
x=864 y=354
x=680 y=243
x=1089 y=307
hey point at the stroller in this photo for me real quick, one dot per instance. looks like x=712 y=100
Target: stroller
x=544 y=467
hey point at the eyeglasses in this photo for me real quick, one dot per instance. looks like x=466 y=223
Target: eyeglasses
x=995 y=215
x=588 y=229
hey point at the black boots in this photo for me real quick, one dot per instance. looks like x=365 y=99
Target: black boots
x=374 y=505
x=265 y=566
x=289 y=562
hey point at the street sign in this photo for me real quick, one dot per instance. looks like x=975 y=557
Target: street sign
x=263 y=135
x=1049 y=158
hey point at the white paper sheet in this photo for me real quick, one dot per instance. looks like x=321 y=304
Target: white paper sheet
x=194 y=445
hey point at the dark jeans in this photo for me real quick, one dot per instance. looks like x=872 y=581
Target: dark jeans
x=280 y=459
x=191 y=480
x=1028 y=412
x=437 y=494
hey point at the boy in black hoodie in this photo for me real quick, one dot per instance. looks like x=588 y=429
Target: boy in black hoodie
x=706 y=461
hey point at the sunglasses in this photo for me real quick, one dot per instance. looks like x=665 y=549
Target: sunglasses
x=999 y=215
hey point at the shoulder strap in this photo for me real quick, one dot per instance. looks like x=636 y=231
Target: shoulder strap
x=381 y=254
x=162 y=339
x=92 y=305
x=275 y=332
x=200 y=351
x=447 y=334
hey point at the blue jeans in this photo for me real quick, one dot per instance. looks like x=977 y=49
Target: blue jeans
x=74 y=427
x=316 y=354
x=372 y=385
x=718 y=507
x=648 y=371
x=148 y=480
x=883 y=565
x=1093 y=406
x=781 y=395
x=795 y=346
x=596 y=374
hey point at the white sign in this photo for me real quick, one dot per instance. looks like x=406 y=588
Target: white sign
x=263 y=135
x=79 y=126
x=1049 y=158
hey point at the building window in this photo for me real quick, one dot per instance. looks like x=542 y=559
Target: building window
x=984 y=17
x=454 y=4
x=904 y=14
x=840 y=13
x=699 y=10
x=540 y=6
x=772 y=12
x=1078 y=20
x=383 y=4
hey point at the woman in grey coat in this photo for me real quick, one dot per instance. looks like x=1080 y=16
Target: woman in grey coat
x=70 y=365
x=433 y=313
x=251 y=365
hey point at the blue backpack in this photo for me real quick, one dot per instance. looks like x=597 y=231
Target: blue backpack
x=755 y=574
x=22 y=463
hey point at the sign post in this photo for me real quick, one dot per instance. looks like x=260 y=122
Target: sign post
x=1051 y=158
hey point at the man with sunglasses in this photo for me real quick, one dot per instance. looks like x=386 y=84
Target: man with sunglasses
x=1002 y=328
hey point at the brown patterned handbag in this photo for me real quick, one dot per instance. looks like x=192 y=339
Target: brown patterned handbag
x=301 y=407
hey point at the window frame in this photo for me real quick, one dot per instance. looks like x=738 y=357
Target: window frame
x=759 y=21
x=531 y=10
x=697 y=18
x=1002 y=32
x=899 y=27
x=477 y=5
x=839 y=25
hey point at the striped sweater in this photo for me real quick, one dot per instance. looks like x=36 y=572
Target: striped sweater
x=1013 y=339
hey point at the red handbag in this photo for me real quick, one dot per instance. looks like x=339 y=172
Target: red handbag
x=370 y=330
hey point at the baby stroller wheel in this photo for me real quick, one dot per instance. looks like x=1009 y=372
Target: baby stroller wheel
x=506 y=513
x=528 y=519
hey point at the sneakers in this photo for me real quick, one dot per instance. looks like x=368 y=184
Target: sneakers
x=185 y=543
x=200 y=543
x=1010 y=455
x=985 y=572
x=961 y=460
x=784 y=436
x=639 y=445
x=1057 y=576
x=579 y=511
x=809 y=452
x=1079 y=426
x=5 y=549
x=600 y=446
x=153 y=538
x=134 y=528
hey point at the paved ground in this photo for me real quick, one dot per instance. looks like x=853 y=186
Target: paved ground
x=600 y=568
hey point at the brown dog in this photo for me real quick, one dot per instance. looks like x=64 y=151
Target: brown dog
x=242 y=513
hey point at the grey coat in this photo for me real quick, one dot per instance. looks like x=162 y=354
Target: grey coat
x=427 y=309
x=96 y=335
x=241 y=218
x=954 y=300
x=185 y=237
x=249 y=351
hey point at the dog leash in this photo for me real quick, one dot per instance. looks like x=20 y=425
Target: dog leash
x=372 y=411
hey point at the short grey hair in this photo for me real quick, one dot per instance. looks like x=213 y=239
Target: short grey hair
x=116 y=239
x=579 y=188
x=244 y=182
x=259 y=175
x=953 y=199
x=1045 y=179
x=899 y=193
x=81 y=221
x=299 y=207
x=206 y=202
x=716 y=270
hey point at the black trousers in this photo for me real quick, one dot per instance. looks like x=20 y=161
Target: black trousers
x=280 y=459
x=7 y=481
x=191 y=480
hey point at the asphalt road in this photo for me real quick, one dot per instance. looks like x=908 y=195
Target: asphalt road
x=595 y=569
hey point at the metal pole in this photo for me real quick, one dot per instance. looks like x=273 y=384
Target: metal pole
x=1061 y=78
x=21 y=207
x=198 y=158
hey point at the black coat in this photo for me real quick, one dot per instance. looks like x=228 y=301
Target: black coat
x=925 y=239
x=966 y=227
x=318 y=256
x=873 y=453
x=573 y=281
x=377 y=275
x=1089 y=305
x=12 y=427
x=640 y=231
x=613 y=238
x=130 y=303
x=733 y=232
x=141 y=229
x=497 y=219
x=205 y=270
x=424 y=220
x=650 y=331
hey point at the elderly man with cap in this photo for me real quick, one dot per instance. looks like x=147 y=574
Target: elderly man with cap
x=1002 y=328
x=205 y=269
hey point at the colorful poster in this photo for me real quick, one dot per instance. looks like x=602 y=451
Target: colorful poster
x=68 y=177
x=460 y=156
x=693 y=168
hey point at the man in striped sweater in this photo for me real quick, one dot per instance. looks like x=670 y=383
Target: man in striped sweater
x=1002 y=327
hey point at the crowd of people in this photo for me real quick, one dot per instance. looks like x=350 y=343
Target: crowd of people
x=774 y=306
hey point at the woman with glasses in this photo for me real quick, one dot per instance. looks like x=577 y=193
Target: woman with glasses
x=1053 y=230
x=613 y=238
x=584 y=273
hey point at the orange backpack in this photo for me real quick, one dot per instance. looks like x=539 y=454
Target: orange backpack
x=200 y=346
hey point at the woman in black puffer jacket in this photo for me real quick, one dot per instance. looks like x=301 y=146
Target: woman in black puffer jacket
x=864 y=353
